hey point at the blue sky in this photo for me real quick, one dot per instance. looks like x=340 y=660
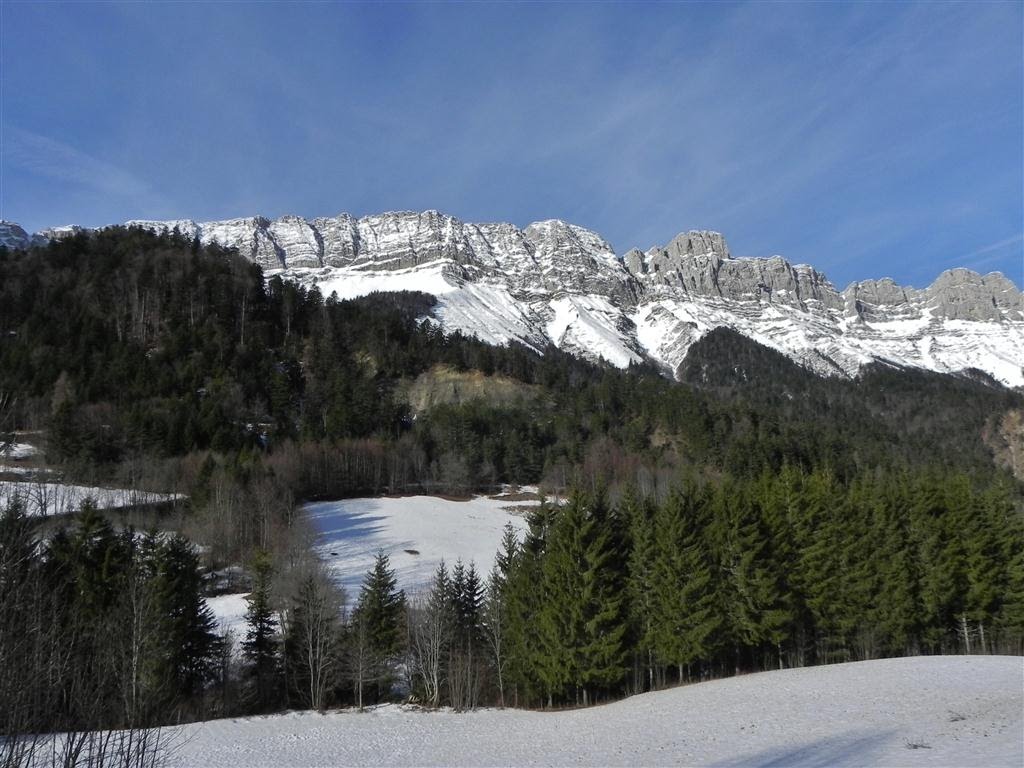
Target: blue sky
x=867 y=139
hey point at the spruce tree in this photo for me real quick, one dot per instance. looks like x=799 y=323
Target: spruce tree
x=260 y=647
x=581 y=624
x=605 y=623
x=686 y=609
x=190 y=643
x=640 y=586
x=379 y=617
x=756 y=609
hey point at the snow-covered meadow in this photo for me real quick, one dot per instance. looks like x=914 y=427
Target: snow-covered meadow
x=922 y=711
x=41 y=492
x=416 y=532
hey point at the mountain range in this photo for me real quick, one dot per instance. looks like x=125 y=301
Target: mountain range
x=557 y=283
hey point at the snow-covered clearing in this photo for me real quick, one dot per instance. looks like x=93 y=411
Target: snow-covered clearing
x=416 y=532
x=60 y=498
x=957 y=710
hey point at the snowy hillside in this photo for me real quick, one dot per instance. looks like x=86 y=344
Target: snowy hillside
x=558 y=283
x=924 y=711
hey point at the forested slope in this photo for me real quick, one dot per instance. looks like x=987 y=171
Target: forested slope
x=123 y=343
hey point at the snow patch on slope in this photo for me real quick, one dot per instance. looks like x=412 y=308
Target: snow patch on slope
x=490 y=313
x=350 y=283
x=590 y=325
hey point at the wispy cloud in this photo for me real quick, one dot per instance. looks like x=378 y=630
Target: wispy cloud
x=994 y=252
x=862 y=138
x=45 y=156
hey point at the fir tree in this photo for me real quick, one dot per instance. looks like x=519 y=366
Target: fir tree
x=378 y=617
x=189 y=643
x=260 y=649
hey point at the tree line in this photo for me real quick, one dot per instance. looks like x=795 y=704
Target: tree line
x=600 y=600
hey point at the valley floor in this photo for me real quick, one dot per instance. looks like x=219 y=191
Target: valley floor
x=923 y=711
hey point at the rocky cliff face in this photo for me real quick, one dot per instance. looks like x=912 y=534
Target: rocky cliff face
x=14 y=237
x=554 y=282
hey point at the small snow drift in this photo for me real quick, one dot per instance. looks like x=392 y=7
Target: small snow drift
x=923 y=711
x=18 y=451
x=416 y=532
x=229 y=614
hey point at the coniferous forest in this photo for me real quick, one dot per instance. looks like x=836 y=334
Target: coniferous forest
x=746 y=516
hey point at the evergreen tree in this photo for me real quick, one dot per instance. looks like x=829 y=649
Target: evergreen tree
x=190 y=643
x=756 y=610
x=605 y=623
x=685 y=608
x=581 y=626
x=640 y=585
x=379 y=617
x=261 y=646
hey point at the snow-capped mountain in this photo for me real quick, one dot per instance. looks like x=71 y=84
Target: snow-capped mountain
x=554 y=282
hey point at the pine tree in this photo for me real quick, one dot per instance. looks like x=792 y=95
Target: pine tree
x=605 y=624
x=580 y=625
x=685 y=605
x=640 y=585
x=756 y=609
x=896 y=608
x=260 y=647
x=524 y=601
x=379 y=617
x=189 y=643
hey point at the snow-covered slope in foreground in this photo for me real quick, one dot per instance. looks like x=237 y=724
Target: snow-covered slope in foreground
x=925 y=711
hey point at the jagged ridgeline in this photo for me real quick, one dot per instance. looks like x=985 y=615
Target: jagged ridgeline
x=122 y=342
x=556 y=283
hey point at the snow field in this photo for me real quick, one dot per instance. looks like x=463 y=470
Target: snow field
x=229 y=612
x=352 y=531
x=416 y=532
x=957 y=710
